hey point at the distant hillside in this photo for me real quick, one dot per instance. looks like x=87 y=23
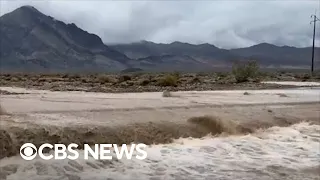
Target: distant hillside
x=265 y=54
x=269 y=54
x=32 y=41
x=176 y=55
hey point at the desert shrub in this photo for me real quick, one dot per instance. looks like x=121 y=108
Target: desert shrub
x=306 y=77
x=7 y=78
x=176 y=74
x=195 y=80
x=144 y=82
x=74 y=76
x=282 y=72
x=55 y=79
x=229 y=79
x=316 y=76
x=221 y=75
x=65 y=75
x=268 y=75
x=85 y=80
x=124 y=78
x=168 y=80
x=14 y=79
x=245 y=71
x=103 y=79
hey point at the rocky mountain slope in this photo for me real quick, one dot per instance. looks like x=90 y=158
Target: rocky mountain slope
x=32 y=41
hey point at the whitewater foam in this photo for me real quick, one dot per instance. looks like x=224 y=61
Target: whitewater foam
x=275 y=153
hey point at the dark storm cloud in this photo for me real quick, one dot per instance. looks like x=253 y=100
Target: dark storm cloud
x=227 y=24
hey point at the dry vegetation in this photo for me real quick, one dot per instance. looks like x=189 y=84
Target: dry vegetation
x=242 y=77
x=244 y=72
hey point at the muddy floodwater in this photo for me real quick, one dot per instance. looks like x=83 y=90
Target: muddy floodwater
x=275 y=153
x=265 y=134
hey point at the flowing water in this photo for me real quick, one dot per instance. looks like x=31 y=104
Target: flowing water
x=291 y=152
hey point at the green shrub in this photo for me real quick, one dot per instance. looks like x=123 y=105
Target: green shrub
x=243 y=72
x=168 y=80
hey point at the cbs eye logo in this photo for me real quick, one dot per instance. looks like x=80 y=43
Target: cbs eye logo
x=28 y=151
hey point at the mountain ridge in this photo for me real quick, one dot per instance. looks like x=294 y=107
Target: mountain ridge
x=32 y=41
x=265 y=53
x=199 y=44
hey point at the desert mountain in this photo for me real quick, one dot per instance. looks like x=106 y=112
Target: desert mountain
x=269 y=54
x=178 y=55
x=33 y=41
x=266 y=54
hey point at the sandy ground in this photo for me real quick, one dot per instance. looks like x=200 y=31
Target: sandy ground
x=69 y=108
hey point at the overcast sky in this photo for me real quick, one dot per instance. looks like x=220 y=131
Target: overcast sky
x=226 y=24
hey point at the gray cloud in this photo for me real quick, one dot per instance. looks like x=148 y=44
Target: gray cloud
x=227 y=24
